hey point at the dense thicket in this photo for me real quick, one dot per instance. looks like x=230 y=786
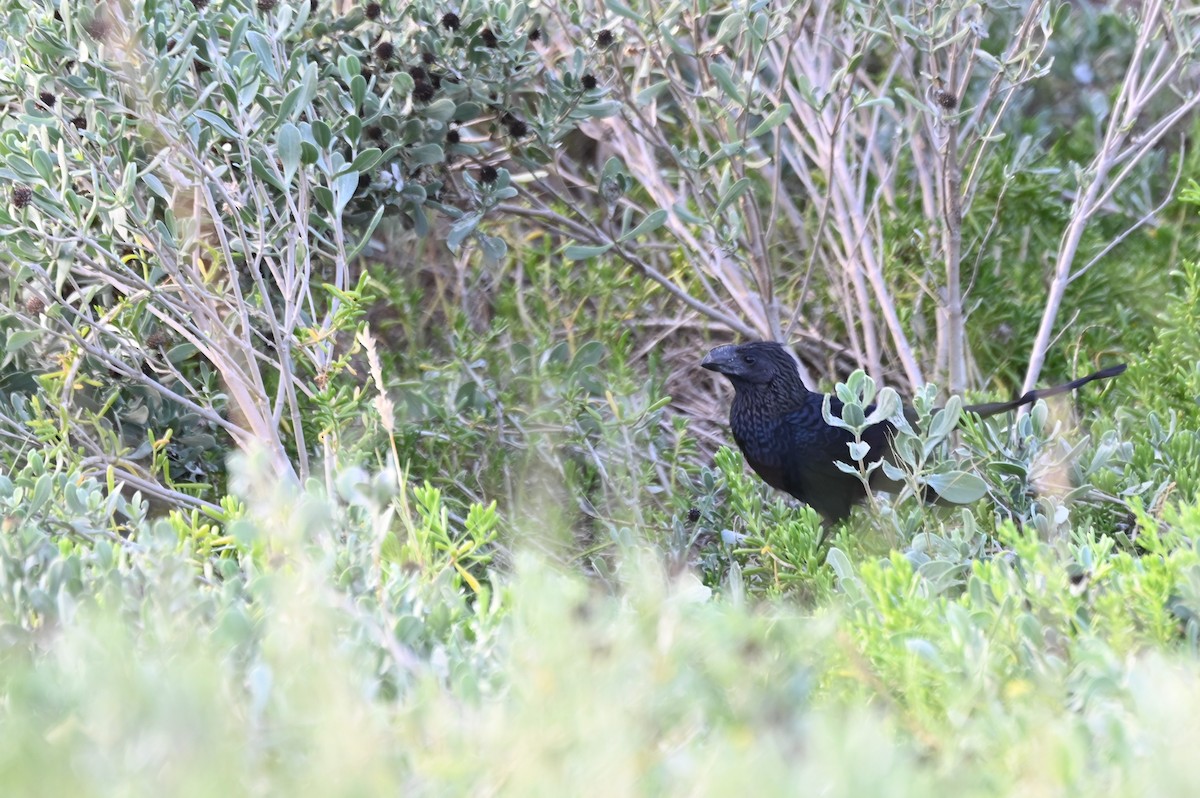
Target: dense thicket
x=354 y=436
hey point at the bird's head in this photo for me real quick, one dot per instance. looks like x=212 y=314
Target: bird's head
x=758 y=363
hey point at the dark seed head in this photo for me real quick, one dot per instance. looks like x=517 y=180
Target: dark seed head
x=423 y=92
x=79 y=122
x=535 y=34
x=373 y=10
x=588 y=81
x=436 y=80
x=21 y=196
x=516 y=127
x=488 y=174
x=158 y=339
x=374 y=132
x=605 y=39
x=47 y=99
x=489 y=38
x=428 y=57
x=450 y=21
x=945 y=99
x=266 y=6
x=35 y=305
x=418 y=73
x=384 y=51
x=200 y=4
x=453 y=137
x=693 y=515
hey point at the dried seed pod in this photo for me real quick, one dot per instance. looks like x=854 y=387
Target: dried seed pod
x=945 y=99
x=158 y=339
x=21 y=196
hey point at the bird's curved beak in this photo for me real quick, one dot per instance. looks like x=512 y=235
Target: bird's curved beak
x=719 y=359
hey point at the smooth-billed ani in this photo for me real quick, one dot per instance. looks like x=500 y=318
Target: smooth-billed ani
x=778 y=425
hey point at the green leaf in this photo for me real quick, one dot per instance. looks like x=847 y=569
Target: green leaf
x=581 y=252
x=20 y=166
x=181 y=352
x=853 y=415
x=494 y=248
x=612 y=167
x=677 y=45
x=736 y=190
x=733 y=24
x=261 y=46
x=958 y=487
x=461 y=229
x=726 y=150
x=773 y=120
x=599 y=110
x=441 y=109
x=358 y=90
x=344 y=186
x=44 y=165
x=369 y=231
x=238 y=32
x=288 y=142
x=366 y=159
x=41 y=493
x=219 y=122
x=946 y=419
x=293 y=101
x=426 y=154
x=652 y=222
x=650 y=92
x=840 y=563
x=349 y=67
x=907 y=27
x=859 y=450
x=942 y=574
x=324 y=197
x=156 y=185
x=888 y=406
x=322 y=135
x=759 y=25
x=622 y=10
x=19 y=339
x=724 y=79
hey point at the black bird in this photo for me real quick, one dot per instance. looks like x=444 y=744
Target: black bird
x=778 y=425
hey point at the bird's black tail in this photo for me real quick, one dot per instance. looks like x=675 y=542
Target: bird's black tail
x=995 y=408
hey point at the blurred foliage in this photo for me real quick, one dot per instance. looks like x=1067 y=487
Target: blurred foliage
x=308 y=661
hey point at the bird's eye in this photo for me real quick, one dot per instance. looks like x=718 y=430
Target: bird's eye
x=748 y=359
